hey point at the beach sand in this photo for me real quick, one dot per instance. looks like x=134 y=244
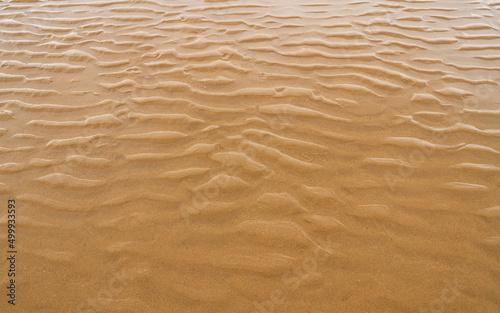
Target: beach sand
x=251 y=156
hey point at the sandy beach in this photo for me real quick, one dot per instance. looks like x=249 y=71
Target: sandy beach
x=250 y=156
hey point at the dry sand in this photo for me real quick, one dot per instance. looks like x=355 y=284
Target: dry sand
x=251 y=156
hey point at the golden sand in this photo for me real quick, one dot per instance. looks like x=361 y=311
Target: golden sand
x=251 y=156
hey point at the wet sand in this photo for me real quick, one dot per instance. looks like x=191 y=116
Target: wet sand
x=251 y=156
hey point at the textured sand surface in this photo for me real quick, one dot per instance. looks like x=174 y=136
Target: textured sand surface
x=251 y=156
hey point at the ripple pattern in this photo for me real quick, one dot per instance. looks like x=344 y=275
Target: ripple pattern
x=252 y=156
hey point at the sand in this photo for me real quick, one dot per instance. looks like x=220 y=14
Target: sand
x=251 y=156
